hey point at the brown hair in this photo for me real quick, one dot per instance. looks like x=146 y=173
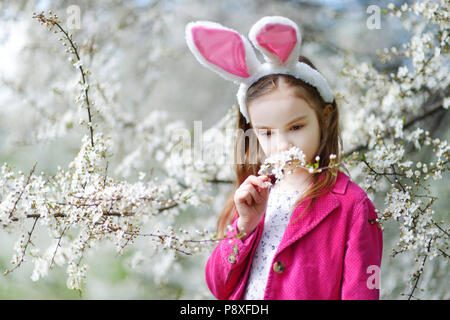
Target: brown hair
x=330 y=143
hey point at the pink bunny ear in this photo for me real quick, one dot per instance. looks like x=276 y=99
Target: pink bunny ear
x=278 y=39
x=222 y=50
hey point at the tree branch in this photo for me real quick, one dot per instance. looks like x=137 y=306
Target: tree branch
x=434 y=108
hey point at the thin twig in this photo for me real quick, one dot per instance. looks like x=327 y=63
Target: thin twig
x=58 y=245
x=23 y=190
x=53 y=21
x=22 y=258
x=420 y=271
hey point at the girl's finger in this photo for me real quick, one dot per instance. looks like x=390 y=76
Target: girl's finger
x=259 y=181
x=248 y=199
x=256 y=196
x=243 y=196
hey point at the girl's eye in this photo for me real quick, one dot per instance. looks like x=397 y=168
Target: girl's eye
x=297 y=127
x=294 y=128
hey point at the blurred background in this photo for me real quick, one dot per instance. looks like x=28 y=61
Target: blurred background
x=141 y=66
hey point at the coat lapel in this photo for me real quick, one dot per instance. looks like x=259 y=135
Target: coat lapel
x=318 y=211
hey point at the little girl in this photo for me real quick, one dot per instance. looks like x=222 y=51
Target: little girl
x=312 y=235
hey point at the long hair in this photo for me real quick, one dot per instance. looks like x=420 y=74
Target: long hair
x=330 y=143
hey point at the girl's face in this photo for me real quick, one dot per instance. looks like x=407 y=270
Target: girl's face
x=289 y=121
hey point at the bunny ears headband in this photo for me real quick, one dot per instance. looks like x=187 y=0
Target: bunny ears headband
x=229 y=54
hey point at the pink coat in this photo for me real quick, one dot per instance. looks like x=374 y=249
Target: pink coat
x=333 y=252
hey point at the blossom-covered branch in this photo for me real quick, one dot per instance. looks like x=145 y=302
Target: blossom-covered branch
x=385 y=111
x=53 y=23
x=83 y=206
x=287 y=161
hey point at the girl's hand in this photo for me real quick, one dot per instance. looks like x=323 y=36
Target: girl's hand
x=250 y=200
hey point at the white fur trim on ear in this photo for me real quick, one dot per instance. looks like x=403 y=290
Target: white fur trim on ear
x=252 y=62
x=241 y=94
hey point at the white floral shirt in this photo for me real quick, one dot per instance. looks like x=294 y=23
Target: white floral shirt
x=278 y=213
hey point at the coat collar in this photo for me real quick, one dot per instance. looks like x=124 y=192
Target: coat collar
x=319 y=210
x=341 y=184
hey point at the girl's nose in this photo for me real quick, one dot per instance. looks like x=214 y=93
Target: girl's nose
x=284 y=144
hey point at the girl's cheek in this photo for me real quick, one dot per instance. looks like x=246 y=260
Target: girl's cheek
x=265 y=146
x=308 y=141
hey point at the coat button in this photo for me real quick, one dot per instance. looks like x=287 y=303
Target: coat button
x=235 y=249
x=232 y=258
x=279 y=267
